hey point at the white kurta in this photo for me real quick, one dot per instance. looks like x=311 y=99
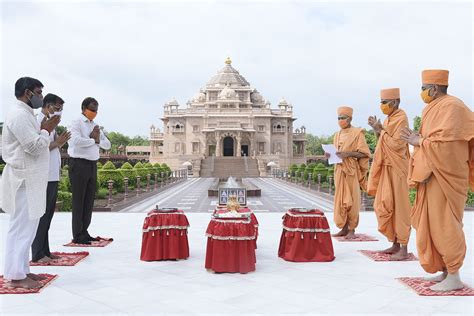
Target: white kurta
x=25 y=149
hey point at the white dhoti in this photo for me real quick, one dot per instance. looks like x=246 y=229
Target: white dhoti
x=20 y=236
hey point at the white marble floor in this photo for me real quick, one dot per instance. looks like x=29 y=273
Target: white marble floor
x=113 y=280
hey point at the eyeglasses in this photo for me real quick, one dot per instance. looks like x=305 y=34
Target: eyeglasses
x=386 y=101
x=342 y=118
x=57 y=107
x=95 y=111
x=428 y=86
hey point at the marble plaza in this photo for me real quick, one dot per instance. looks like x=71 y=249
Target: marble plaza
x=113 y=280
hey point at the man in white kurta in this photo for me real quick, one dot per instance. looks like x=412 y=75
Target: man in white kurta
x=25 y=149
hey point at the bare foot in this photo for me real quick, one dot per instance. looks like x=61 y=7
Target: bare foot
x=44 y=260
x=26 y=283
x=343 y=232
x=450 y=283
x=402 y=254
x=351 y=234
x=394 y=249
x=35 y=277
x=54 y=257
x=437 y=278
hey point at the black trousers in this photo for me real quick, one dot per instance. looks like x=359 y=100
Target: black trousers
x=83 y=177
x=40 y=245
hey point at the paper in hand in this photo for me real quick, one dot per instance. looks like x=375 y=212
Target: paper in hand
x=331 y=150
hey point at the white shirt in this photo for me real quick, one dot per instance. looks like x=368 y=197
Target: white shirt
x=54 y=154
x=80 y=144
x=25 y=149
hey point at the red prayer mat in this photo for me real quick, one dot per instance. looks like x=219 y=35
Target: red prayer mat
x=358 y=237
x=422 y=287
x=379 y=256
x=101 y=243
x=67 y=259
x=6 y=289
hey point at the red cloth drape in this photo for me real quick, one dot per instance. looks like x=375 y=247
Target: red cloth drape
x=231 y=243
x=165 y=236
x=306 y=237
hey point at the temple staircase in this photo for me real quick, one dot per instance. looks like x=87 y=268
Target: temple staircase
x=224 y=167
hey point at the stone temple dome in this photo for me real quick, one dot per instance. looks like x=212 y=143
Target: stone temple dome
x=200 y=97
x=228 y=75
x=228 y=94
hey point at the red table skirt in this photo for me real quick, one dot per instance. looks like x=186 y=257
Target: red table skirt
x=306 y=237
x=165 y=236
x=231 y=243
x=308 y=249
x=165 y=245
x=230 y=255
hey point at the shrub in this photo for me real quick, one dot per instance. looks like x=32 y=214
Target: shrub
x=64 y=184
x=108 y=166
x=141 y=171
x=2 y=166
x=166 y=170
x=331 y=172
x=127 y=171
x=320 y=169
x=412 y=195
x=301 y=170
x=104 y=175
x=470 y=198
x=66 y=199
x=308 y=170
x=293 y=169
x=102 y=193
x=99 y=165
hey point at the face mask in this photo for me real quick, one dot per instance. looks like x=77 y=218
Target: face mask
x=386 y=109
x=343 y=123
x=90 y=115
x=35 y=101
x=425 y=96
x=57 y=113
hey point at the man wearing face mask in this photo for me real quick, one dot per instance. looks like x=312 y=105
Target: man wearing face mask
x=441 y=169
x=388 y=175
x=25 y=149
x=350 y=176
x=86 y=139
x=52 y=106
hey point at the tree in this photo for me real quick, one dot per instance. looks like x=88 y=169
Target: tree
x=416 y=123
x=371 y=139
x=117 y=139
x=313 y=144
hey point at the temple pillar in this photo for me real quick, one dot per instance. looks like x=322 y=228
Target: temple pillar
x=218 y=145
x=239 y=140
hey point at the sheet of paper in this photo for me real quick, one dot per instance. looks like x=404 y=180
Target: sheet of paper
x=331 y=149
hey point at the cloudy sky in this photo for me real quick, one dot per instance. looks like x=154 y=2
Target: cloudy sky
x=135 y=56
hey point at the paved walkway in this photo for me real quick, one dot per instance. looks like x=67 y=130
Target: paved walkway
x=277 y=196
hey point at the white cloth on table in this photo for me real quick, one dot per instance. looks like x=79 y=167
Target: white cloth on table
x=54 y=154
x=20 y=235
x=25 y=149
x=80 y=144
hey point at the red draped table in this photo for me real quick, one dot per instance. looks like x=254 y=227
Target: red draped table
x=231 y=241
x=165 y=235
x=306 y=237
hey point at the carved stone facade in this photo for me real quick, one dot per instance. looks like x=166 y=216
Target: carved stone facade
x=227 y=118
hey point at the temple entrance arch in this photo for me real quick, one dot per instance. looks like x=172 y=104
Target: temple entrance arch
x=228 y=145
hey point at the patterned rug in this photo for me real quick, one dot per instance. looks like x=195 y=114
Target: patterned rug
x=379 y=256
x=421 y=287
x=5 y=289
x=101 y=243
x=358 y=237
x=67 y=259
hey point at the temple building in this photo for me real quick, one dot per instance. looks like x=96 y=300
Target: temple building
x=227 y=119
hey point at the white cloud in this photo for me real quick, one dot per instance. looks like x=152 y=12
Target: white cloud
x=133 y=57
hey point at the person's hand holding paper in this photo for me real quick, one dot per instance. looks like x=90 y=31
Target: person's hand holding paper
x=330 y=153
